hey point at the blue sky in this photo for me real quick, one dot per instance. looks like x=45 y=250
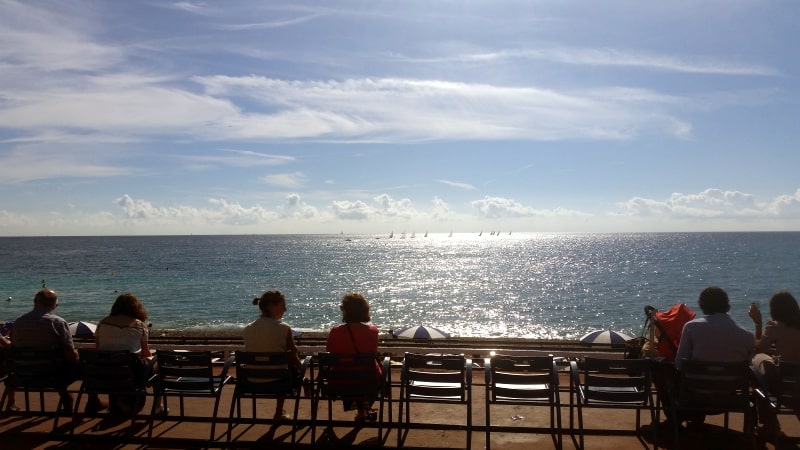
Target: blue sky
x=239 y=117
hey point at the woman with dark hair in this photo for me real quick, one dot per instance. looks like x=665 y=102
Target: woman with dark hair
x=123 y=330
x=124 y=327
x=782 y=334
x=779 y=342
x=269 y=334
x=355 y=336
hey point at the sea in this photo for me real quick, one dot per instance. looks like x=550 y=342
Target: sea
x=522 y=285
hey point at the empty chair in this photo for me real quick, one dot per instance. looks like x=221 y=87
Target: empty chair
x=352 y=378
x=187 y=374
x=706 y=387
x=435 y=379
x=34 y=370
x=119 y=374
x=523 y=380
x=267 y=375
x=611 y=383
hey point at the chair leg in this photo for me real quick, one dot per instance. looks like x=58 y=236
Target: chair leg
x=234 y=403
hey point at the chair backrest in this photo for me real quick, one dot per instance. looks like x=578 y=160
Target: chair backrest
x=520 y=378
x=436 y=377
x=717 y=386
x=617 y=380
x=37 y=369
x=186 y=371
x=110 y=371
x=348 y=375
x=265 y=373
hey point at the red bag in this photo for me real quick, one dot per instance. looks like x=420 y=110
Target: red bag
x=670 y=323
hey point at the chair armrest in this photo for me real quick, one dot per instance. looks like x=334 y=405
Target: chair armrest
x=305 y=363
x=554 y=378
x=386 y=370
x=487 y=371
x=228 y=362
x=574 y=375
x=468 y=364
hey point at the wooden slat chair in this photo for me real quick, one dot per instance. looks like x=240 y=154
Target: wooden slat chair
x=41 y=371
x=434 y=379
x=267 y=375
x=351 y=377
x=118 y=374
x=523 y=380
x=611 y=383
x=706 y=387
x=187 y=374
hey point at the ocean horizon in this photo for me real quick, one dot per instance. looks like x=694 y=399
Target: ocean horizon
x=524 y=285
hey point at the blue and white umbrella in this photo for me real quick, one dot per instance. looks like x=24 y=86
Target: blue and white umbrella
x=6 y=328
x=605 y=337
x=421 y=332
x=80 y=328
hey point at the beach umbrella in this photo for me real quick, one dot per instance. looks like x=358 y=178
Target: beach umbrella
x=605 y=337
x=421 y=332
x=81 y=328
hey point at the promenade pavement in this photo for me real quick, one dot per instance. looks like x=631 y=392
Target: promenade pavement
x=18 y=432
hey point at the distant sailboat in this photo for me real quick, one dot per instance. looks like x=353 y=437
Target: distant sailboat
x=451 y=234
x=413 y=234
x=391 y=235
x=481 y=233
x=426 y=234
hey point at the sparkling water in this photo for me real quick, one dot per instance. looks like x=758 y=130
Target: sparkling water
x=515 y=285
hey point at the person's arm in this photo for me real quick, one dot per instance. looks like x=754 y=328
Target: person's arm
x=755 y=313
x=292 y=348
x=145 y=353
x=685 y=347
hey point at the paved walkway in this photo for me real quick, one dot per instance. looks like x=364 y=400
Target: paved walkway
x=34 y=432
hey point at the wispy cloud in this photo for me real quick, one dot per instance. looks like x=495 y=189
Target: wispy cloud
x=608 y=57
x=286 y=180
x=280 y=23
x=456 y=184
x=237 y=158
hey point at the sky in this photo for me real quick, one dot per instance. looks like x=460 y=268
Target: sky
x=243 y=117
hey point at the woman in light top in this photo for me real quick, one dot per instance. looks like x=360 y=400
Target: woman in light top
x=269 y=334
x=124 y=327
x=124 y=330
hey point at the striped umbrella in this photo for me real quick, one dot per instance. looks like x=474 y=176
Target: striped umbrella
x=605 y=337
x=80 y=328
x=421 y=332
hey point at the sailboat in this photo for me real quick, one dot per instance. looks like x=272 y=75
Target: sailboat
x=413 y=234
x=391 y=235
x=481 y=233
x=426 y=234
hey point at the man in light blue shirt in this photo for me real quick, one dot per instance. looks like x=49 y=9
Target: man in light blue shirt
x=715 y=336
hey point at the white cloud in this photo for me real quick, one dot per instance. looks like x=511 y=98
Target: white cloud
x=714 y=204
x=505 y=208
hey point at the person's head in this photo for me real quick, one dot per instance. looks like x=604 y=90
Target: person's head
x=355 y=308
x=46 y=298
x=783 y=308
x=713 y=300
x=129 y=305
x=272 y=304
